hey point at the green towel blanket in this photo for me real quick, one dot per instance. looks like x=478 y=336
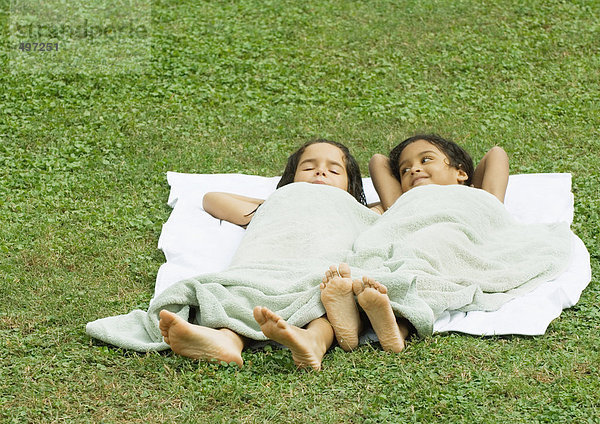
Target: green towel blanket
x=437 y=248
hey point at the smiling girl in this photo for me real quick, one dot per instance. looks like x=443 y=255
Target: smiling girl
x=431 y=159
x=419 y=160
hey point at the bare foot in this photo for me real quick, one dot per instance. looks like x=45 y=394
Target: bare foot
x=338 y=299
x=372 y=297
x=198 y=342
x=307 y=345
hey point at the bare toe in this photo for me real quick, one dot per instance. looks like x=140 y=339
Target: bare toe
x=357 y=287
x=330 y=274
x=369 y=282
x=259 y=316
x=344 y=270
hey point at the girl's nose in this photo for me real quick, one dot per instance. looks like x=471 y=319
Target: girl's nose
x=416 y=168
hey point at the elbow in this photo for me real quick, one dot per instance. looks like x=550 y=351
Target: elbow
x=208 y=201
x=499 y=153
x=498 y=156
x=378 y=161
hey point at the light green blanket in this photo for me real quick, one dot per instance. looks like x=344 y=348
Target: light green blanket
x=456 y=248
x=295 y=235
x=438 y=248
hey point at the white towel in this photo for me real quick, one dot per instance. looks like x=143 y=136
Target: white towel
x=195 y=243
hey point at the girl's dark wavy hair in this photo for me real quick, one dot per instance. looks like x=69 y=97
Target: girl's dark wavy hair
x=457 y=156
x=355 y=187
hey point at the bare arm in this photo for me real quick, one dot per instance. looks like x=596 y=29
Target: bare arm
x=387 y=186
x=491 y=173
x=230 y=207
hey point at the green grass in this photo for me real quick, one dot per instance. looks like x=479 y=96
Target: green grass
x=235 y=87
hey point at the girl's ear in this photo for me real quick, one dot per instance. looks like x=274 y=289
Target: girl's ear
x=461 y=176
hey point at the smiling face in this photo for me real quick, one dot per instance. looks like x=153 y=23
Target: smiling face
x=421 y=163
x=322 y=163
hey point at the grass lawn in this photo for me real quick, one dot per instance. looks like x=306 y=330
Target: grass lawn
x=235 y=86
